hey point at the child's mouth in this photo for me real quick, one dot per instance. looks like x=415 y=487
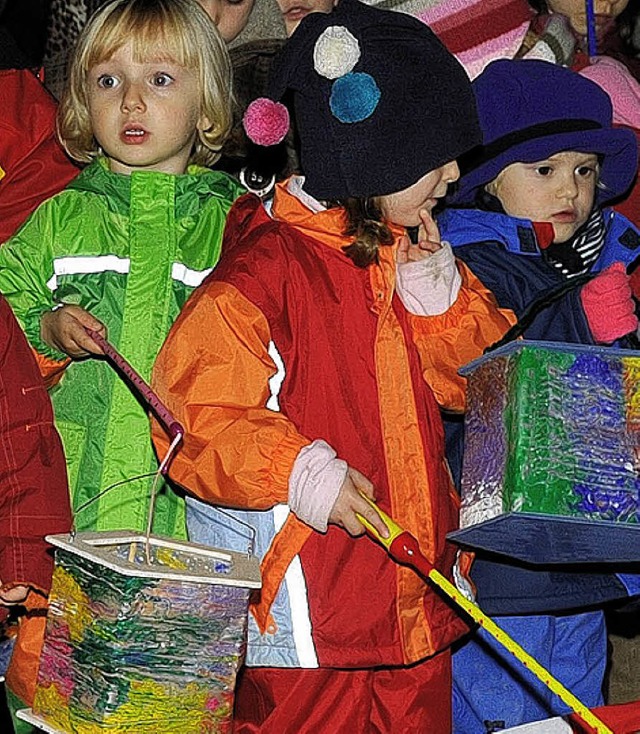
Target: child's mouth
x=133 y=135
x=564 y=217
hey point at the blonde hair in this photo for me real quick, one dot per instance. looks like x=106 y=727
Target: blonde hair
x=184 y=33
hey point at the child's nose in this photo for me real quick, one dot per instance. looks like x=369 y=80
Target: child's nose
x=451 y=172
x=132 y=98
x=568 y=187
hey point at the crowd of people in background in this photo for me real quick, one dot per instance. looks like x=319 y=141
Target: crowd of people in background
x=301 y=287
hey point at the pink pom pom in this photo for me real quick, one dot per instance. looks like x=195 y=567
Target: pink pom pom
x=266 y=122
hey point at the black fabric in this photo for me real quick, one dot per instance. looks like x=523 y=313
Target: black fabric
x=425 y=116
x=23 y=27
x=549 y=127
x=515 y=589
x=518 y=281
x=578 y=254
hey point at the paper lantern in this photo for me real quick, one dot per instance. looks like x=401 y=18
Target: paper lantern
x=552 y=454
x=132 y=646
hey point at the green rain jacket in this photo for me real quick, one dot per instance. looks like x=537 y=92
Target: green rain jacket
x=129 y=249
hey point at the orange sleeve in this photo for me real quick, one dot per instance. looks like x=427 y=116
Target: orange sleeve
x=213 y=373
x=451 y=340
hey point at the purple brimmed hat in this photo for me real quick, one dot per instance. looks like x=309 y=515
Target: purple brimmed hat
x=530 y=110
x=379 y=102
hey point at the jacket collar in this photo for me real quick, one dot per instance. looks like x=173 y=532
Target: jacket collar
x=291 y=204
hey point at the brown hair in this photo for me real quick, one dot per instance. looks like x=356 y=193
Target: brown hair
x=183 y=32
x=366 y=225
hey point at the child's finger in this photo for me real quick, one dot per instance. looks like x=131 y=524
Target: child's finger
x=89 y=321
x=431 y=239
x=431 y=247
x=361 y=483
x=402 y=253
x=87 y=345
x=369 y=513
x=83 y=342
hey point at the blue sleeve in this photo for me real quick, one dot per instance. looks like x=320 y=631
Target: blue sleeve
x=518 y=280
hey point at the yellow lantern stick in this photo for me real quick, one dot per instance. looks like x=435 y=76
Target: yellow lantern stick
x=403 y=548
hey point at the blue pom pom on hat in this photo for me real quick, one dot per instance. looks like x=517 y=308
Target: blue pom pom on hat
x=354 y=97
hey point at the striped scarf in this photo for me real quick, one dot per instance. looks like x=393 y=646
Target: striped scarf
x=577 y=255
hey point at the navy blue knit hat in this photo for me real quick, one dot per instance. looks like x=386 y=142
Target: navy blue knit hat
x=530 y=110
x=379 y=102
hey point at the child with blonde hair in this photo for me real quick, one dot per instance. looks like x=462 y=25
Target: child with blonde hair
x=148 y=108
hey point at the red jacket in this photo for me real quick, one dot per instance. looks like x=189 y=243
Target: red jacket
x=361 y=374
x=34 y=499
x=33 y=165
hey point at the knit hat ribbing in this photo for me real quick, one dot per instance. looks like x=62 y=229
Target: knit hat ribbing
x=480 y=31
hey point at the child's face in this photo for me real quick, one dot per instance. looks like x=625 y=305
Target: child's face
x=404 y=207
x=230 y=16
x=145 y=116
x=605 y=12
x=293 y=11
x=560 y=190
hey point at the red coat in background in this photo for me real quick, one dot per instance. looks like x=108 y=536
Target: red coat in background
x=33 y=165
x=34 y=497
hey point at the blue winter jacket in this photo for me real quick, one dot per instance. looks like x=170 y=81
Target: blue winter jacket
x=503 y=252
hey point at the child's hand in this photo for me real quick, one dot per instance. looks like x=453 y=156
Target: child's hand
x=608 y=304
x=64 y=330
x=349 y=502
x=14 y=595
x=428 y=241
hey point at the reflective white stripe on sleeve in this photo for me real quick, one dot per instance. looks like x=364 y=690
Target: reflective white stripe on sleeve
x=298 y=603
x=82 y=265
x=191 y=278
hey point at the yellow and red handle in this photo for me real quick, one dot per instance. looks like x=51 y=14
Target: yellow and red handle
x=403 y=548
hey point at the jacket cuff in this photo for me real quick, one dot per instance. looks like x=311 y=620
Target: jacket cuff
x=429 y=287
x=314 y=484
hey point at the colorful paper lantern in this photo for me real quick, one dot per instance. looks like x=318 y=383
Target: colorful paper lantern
x=552 y=454
x=132 y=646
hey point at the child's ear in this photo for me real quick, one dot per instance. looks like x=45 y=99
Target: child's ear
x=204 y=123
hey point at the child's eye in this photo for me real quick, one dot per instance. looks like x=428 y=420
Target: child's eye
x=162 y=80
x=544 y=170
x=585 y=171
x=107 y=81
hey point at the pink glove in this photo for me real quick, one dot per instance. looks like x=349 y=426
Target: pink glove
x=608 y=304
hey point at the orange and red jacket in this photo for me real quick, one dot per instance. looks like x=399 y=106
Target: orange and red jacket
x=362 y=374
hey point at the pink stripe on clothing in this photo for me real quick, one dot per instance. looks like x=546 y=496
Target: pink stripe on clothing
x=477 y=58
x=453 y=13
x=445 y=9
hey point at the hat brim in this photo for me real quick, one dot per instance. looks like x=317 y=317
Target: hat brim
x=617 y=147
